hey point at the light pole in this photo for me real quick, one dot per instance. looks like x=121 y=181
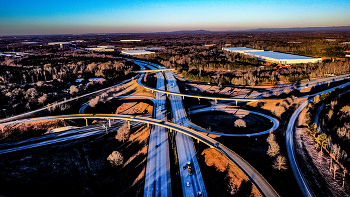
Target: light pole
x=104 y=126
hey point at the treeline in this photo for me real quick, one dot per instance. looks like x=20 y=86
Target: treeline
x=30 y=83
x=333 y=135
x=268 y=75
x=204 y=63
x=63 y=68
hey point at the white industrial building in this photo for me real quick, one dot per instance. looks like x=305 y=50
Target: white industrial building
x=274 y=57
x=283 y=58
x=100 y=49
x=241 y=49
x=137 y=52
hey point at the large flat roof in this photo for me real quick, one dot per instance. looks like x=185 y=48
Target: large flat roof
x=137 y=52
x=278 y=55
x=241 y=49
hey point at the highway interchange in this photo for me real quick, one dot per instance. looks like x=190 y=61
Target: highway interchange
x=158 y=180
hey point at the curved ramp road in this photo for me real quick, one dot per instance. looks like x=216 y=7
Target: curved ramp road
x=290 y=144
x=60 y=137
x=221 y=108
x=259 y=180
x=291 y=154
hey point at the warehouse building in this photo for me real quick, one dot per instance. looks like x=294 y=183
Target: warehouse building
x=241 y=50
x=137 y=52
x=283 y=58
x=275 y=57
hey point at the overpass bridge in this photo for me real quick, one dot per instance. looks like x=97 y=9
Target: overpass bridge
x=265 y=188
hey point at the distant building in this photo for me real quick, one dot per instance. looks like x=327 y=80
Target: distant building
x=283 y=58
x=274 y=57
x=137 y=52
x=130 y=40
x=208 y=45
x=15 y=54
x=58 y=43
x=107 y=47
x=241 y=49
x=101 y=49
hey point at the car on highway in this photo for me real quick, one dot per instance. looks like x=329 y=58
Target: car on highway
x=190 y=171
x=216 y=144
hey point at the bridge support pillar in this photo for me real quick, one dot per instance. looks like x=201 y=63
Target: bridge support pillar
x=128 y=124
x=236 y=102
x=152 y=91
x=198 y=141
x=86 y=122
x=216 y=101
x=183 y=97
x=199 y=100
x=147 y=124
x=109 y=122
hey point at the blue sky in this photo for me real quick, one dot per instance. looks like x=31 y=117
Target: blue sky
x=18 y=17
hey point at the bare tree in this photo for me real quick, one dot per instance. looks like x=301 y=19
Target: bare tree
x=104 y=97
x=240 y=123
x=73 y=90
x=276 y=92
x=123 y=133
x=265 y=94
x=344 y=174
x=335 y=168
x=287 y=90
x=94 y=102
x=274 y=149
x=280 y=163
x=321 y=139
x=116 y=158
x=317 y=99
x=42 y=99
x=279 y=110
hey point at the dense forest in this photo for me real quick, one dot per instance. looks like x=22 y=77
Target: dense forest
x=48 y=73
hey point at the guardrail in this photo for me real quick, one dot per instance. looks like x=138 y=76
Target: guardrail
x=259 y=180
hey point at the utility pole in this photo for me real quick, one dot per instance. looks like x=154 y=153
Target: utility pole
x=104 y=126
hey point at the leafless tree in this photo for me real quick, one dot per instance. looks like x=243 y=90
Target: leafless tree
x=240 y=123
x=73 y=90
x=317 y=99
x=274 y=148
x=94 y=102
x=42 y=99
x=335 y=168
x=279 y=110
x=345 y=171
x=116 y=158
x=287 y=90
x=123 y=133
x=280 y=163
